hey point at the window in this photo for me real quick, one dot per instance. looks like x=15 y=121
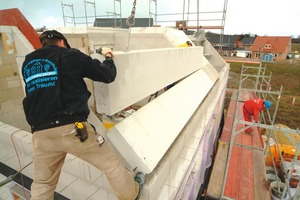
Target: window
x=267 y=46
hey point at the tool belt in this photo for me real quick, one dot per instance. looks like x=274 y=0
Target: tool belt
x=59 y=122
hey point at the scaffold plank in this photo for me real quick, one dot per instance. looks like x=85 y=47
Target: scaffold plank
x=246 y=172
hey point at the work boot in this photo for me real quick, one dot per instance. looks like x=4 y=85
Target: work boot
x=140 y=179
x=249 y=131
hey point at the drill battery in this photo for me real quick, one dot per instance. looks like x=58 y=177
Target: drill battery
x=81 y=131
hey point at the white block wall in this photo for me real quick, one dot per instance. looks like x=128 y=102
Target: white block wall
x=169 y=163
x=13 y=45
x=188 y=154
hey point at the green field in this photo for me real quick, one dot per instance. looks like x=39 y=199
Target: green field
x=285 y=74
x=296 y=47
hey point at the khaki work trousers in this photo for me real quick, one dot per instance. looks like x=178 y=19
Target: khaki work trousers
x=50 y=148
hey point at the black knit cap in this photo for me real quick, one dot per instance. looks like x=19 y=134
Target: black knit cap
x=53 y=34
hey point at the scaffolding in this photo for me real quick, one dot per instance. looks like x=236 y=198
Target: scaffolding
x=71 y=19
x=90 y=20
x=151 y=13
x=68 y=17
x=190 y=19
x=254 y=79
x=117 y=16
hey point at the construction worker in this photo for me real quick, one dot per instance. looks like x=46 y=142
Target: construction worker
x=186 y=44
x=253 y=107
x=56 y=107
x=200 y=36
x=180 y=27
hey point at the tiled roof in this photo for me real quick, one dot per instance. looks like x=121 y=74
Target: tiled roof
x=248 y=40
x=230 y=41
x=227 y=39
x=271 y=43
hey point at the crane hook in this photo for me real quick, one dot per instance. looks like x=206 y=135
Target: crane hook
x=132 y=16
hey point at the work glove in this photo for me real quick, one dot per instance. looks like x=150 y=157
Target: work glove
x=105 y=51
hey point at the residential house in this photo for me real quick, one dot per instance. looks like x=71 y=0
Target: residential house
x=271 y=48
x=244 y=50
x=232 y=45
x=247 y=43
x=229 y=45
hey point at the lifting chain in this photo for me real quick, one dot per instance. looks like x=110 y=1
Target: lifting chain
x=132 y=16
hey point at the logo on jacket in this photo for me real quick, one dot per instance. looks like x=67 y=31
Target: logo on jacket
x=40 y=73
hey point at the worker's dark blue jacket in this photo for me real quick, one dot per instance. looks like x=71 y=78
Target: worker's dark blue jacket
x=56 y=93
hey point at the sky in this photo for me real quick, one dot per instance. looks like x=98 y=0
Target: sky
x=260 y=17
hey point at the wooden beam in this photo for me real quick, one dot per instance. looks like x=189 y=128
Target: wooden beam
x=205 y=27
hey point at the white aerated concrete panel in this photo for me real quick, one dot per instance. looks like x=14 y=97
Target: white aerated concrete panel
x=145 y=136
x=142 y=73
x=11 y=84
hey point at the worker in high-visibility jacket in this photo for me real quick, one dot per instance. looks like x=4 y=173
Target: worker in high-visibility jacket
x=186 y=44
x=253 y=107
